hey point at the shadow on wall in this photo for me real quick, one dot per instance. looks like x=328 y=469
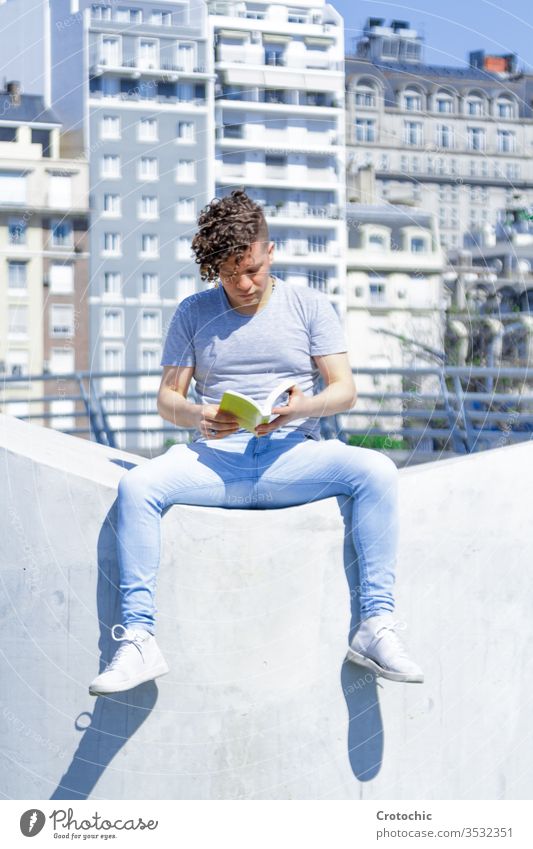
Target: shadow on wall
x=116 y=719
x=365 y=728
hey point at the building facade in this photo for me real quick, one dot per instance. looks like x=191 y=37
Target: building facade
x=396 y=308
x=280 y=129
x=133 y=86
x=43 y=258
x=457 y=142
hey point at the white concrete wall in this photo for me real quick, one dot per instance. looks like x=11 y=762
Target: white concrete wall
x=258 y=703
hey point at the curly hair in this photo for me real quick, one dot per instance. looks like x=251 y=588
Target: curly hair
x=226 y=228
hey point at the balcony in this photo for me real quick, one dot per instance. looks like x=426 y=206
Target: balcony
x=134 y=69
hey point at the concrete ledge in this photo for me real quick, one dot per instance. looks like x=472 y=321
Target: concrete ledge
x=259 y=703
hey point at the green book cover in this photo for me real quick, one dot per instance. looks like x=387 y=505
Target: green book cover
x=250 y=413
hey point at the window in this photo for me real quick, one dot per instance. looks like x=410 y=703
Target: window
x=61 y=361
x=61 y=234
x=111 y=205
x=112 y=283
x=475 y=106
x=150 y=284
x=505 y=109
x=61 y=320
x=185 y=57
x=148 y=56
x=413 y=132
x=110 y=127
x=110 y=166
x=365 y=97
x=110 y=86
x=112 y=243
x=274 y=54
x=110 y=51
x=317 y=278
x=274 y=160
x=113 y=358
x=186 y=209
x=113 y=323
x=365 y=130
x=186 y=286
x=149 y=359
x=185 y=171
x=506 y=141
x=384 y=162
x=12 y=187
x=161 y=19
x=418 y=245
x=476 y=138
x=184 y=92
x=184 y=247
x=17 y=365
x=412 y=101
x=148 y=168
x=147 y=129
x=60 y=190
x=148 y=206
x=149 y=245
x=17 y=278
x=61 y=277
x=17 y=320
x=17 y=231
x=317 y=244
x=377 y=242
x=444 y=136
x=377 y=293
x=443 y=103
x=185 y=131
x=234 y=131
x=151 y=323
x=100 y=12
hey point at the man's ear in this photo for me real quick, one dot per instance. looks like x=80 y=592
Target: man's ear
x=270 y=251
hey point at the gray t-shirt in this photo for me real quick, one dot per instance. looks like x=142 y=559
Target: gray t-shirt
x=253 y=353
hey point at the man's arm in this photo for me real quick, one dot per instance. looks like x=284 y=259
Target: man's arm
x=339 y=395
x=173 y=406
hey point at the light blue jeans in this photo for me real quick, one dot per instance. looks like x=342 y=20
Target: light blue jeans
x=280 y=469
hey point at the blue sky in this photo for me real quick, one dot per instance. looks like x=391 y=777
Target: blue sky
x=454 y=27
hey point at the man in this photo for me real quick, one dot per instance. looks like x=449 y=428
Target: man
x=248 y=335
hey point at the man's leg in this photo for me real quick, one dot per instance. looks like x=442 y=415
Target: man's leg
x=195 y=474
x=313 y=470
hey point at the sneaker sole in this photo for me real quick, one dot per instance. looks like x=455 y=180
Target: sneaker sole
x=367 y=662
x=129 y=685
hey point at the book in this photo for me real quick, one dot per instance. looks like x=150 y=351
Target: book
x=250 y=413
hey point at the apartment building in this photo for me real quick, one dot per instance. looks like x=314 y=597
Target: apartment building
x=43 y=259
x=132 y=85
x=396 y=305
x=280 y=129
x=455 y=141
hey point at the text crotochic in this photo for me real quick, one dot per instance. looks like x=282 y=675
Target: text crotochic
x=65 y=819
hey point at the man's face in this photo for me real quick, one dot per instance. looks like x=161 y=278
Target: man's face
x=245 y=282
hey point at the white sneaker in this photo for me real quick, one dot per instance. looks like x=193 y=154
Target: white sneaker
x=138 y=659
x=377 y=646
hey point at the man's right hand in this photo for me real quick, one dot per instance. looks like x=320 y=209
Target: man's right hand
x=214 y=424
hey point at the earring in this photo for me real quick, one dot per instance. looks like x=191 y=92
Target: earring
x=216 y=284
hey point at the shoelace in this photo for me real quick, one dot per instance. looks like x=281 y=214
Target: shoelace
x=391 y=626
x=134 y=641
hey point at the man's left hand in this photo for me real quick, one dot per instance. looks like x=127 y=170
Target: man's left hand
x=297 y=408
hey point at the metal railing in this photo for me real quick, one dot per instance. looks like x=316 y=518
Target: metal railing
x=430 y=410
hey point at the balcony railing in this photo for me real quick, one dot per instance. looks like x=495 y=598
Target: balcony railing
x=428 y=413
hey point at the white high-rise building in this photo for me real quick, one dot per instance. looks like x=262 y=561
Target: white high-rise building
x=279 y=114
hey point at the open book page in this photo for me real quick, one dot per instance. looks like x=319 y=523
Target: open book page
x=250 y=413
